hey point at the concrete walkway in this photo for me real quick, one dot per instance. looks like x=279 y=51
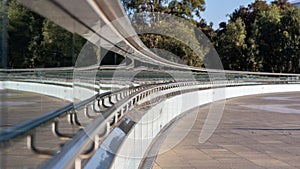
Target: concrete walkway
x=256 y=132
x=19 y=106
x=16 y=107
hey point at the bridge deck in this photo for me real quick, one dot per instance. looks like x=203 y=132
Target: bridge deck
x=256 y=132
x=16 y=107
x=19 y=106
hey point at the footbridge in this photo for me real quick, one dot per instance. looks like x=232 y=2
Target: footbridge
x=115 y=114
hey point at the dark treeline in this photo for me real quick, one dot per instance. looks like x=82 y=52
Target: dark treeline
x=257 y=37
x=34 y=41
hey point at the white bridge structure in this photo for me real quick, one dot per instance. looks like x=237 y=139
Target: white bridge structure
x=120 y=111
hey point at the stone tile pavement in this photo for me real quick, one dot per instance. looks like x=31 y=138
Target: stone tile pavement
x=251 y=135
x=16 y=107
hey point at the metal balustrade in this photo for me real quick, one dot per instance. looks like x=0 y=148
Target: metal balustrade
x=97 y=102
x=98 y=105
x=113 y=116
x=106 y=111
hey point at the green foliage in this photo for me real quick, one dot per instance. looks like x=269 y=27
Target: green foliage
x=290 y=40
x=231 y=45
x=259 y=37
x=56 y=45
x=189 y=9
x=34 y=41
x=269 y=41
x=19 y=34
x=163 y=40
x=175 y=35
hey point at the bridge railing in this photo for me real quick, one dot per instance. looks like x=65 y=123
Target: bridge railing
x=98 y=102
x=74 y=155
x=108 y=110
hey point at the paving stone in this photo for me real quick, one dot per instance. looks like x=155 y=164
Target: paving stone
x=246 y=138
x=21 y=106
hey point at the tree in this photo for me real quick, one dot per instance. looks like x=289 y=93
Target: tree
x=291 y=39
x=34 y=45
x=207 y=29
x=57 y=45
x=161 y=36
x=19 y=35
x=272 y=38
x=249 y=15
x=231 y=46
x=282 y=4
x=267 y=37
x=34 y=41
x=189 y=10
x=278 y=38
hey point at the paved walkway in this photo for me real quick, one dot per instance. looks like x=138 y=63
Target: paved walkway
x=19 y=106
x=256 y=132
x=16 y=107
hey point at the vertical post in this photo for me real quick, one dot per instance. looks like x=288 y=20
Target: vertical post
x=3 y=114
x=115 y=59
x=4 y=34
x=73 y=49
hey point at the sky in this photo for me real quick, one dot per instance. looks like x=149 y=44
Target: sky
x=216 y=10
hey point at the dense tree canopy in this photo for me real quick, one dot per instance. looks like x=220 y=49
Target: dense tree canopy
x=269 y=42
x=232 y=45
x=34 y=41
x=183 y=8
x=143 y=14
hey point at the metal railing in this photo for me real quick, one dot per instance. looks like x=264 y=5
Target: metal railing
x=108 y=109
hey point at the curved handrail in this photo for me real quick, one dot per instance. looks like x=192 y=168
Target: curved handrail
x=71 y=152
x=26 y=127
x=97 y=125
x=195 y=69
x=75 y=147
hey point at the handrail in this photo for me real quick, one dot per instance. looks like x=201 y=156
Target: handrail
x=27 y=126
x=37 y=69
x=71 y=152
x=195 y=69
x=75 y=147
x=24 y=127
